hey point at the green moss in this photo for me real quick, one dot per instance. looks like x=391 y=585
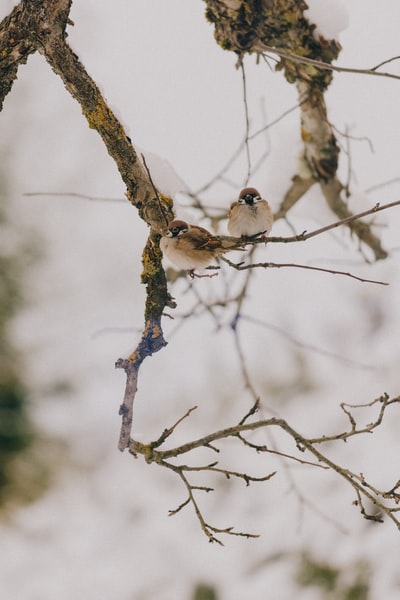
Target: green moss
x=21 y=472
x=15 y=428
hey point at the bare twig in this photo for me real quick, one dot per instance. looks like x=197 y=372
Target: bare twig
x=306 y=346
x=247 y=123
x=383 y=400
x=264 y=448
x=167 y=432
x=304 y=236
x=208 y=529
x=166 y=214
x=298 y=188
x=364 y=490
x=253 y=410
x=332 y=193
x=328 y=66
x=270 y=265
x=276 y=121
x=75 y=195
x=377 y=208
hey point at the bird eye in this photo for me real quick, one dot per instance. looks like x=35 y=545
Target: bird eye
x=175 y=230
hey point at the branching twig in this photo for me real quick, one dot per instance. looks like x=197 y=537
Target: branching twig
x=328 y=66
x=167 y=432
x=208 y=529
x=363 y=489
x=383 y=400
x=264 y=448
x=270 y=265
x=247 y=123
x=75 y=195
x=306 y=236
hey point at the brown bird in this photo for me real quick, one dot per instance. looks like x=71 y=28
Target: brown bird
x=250 y=215
x=191 y=247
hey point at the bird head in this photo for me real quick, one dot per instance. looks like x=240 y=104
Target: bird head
x=177 y=228
x=249 y=196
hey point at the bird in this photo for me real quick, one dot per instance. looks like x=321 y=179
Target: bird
x=191 y=247
x=250 y=215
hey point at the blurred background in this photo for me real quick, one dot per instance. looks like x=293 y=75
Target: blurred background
x=78 y=519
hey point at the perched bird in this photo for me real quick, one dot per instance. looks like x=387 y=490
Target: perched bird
x=250 y=215
x=191 y=247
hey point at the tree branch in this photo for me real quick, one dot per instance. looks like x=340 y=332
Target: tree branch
x=41 y=26
x=325 y=66
x=362 y=488
x=270 y=265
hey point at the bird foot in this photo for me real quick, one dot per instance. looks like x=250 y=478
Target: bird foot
x=193 y=275
x=257 y=237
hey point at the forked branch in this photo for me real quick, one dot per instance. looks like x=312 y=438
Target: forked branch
x=385 y=501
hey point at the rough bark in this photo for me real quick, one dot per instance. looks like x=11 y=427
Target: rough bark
x=40 y=26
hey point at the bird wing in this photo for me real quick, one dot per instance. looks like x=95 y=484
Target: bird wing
x=203 y=239
x=232 y=207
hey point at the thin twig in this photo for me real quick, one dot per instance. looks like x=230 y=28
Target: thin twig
x=265 y=448
x=377 y=208
x=384 y=400
x=208 y=529
x=306 y=236
x=268 y=265
x=167 y=432
x=75 y=195
x=160 y=204
x=327 y=66
x=247 y=122
x=278 y=119
x=306 y=346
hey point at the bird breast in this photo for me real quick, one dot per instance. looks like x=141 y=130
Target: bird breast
x=249 y=220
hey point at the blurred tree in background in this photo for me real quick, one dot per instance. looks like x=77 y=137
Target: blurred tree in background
x=22 y=473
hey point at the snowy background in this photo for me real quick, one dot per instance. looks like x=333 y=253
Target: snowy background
x=102 y=530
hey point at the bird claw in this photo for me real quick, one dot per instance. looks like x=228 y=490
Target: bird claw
x=258 y=237
x=193 y=275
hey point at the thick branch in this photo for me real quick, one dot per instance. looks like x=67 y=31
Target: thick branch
x=331 y=191
x=298 y=188
x=15 y=47
x=152 y=341
x=100 y=117
x=40 y=25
